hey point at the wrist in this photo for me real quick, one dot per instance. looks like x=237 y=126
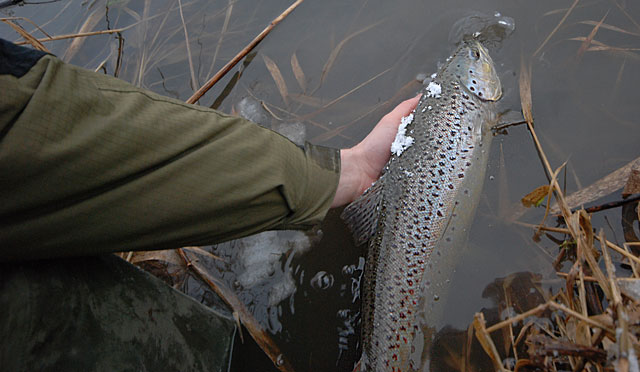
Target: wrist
x=350 y=183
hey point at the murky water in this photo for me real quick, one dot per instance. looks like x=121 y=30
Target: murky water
x=356 y=60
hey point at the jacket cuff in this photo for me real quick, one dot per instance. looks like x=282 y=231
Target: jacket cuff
x=312 y=202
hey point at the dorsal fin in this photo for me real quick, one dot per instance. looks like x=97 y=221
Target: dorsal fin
x=361 y=216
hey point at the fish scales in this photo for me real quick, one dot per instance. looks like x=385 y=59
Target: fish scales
x=425 y=193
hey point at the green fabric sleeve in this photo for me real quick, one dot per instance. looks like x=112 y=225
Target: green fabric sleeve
x=91 y=164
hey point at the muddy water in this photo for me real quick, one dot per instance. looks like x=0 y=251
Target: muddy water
x=358 y=59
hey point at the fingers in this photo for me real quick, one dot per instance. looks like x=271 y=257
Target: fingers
x=403 y=109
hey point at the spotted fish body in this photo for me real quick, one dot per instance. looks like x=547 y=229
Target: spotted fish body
x=417 y=215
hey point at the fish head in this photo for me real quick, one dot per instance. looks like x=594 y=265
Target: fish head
x=474 y=68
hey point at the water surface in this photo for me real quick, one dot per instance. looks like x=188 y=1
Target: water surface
x=359 y=59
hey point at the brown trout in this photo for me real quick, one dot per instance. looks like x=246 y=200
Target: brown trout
x=416 y=216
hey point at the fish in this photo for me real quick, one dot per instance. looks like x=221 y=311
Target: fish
x=416 y=216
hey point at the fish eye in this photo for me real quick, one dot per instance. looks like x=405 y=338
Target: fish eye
x=475 y=54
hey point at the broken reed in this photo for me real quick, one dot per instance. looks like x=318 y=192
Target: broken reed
x=592 y=319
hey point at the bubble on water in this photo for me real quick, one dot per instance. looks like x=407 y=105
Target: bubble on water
x=348 y=269
x=322 y=280
x=491 y=30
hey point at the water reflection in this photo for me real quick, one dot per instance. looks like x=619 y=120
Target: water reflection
x=459 y=350
x=491 y=30
x=585 y=107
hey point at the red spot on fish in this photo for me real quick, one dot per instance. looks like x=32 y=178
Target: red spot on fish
x=405 y=339
x=402 y=316
x=395 y=357
x=411 y=291
x=410 y=282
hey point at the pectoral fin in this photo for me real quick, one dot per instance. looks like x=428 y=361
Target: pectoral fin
x=361 y=216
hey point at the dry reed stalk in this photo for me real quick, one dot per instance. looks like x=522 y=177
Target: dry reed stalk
x=609 y=27
x=564 y=18
x=277 y=78
x=298 y=73
x=604 y=186
x=234 y=61
x=609 y=244
x=336 y=100
x=587 y=42
x=27 y=20
x=90 y=23
x=81 y=34
x=585 y=333
x=482 y=335
x=27 y=36
x=334 y=53
x=255 y=329
x=194 y=81
x=624 y=11
x=379 y=108
x=223 y=32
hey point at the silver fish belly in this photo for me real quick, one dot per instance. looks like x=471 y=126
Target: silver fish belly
x=416 y=215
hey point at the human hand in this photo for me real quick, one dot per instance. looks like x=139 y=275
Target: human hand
x=361 y=165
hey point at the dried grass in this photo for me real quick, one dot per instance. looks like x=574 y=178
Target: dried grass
x=591 y=319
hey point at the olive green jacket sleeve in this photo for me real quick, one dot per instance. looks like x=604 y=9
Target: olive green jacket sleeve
x=91 y=164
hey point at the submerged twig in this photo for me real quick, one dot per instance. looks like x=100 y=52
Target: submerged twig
x=255 y=329
x=220 y=74
x=615 y=204
x=116 y=71
x=605 y=186
x=334 y=101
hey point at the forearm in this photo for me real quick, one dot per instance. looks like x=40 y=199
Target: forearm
x=91 y=164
